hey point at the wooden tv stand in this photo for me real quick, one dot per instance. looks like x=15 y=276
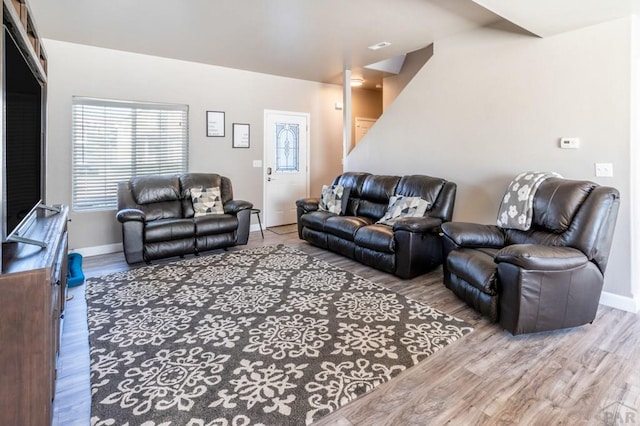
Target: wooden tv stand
x=33 y=288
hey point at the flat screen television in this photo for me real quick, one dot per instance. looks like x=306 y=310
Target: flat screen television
x=23 y=141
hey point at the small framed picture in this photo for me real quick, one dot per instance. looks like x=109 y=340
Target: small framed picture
x=215 y=124
x=241 y=135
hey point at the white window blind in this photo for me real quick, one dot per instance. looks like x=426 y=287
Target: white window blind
x=115 y=140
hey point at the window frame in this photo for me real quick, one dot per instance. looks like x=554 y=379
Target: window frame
x=114 y=140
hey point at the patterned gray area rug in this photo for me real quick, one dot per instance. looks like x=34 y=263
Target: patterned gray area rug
x=267 y=336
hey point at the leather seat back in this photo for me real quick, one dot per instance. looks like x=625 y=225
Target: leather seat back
x=578 y=214
x=438 y=192
x=202 y=181
x=158 y=196
x=353 y=181
x=375 y=194
x=425 y=187
x=369 y=194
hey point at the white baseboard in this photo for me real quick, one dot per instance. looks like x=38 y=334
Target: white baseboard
x=624 y=303
x=98 y=250
x=255 y=228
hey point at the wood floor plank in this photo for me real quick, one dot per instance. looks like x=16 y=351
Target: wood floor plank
x=564 y=377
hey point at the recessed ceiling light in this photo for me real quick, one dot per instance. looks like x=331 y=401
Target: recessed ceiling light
x=380 y=45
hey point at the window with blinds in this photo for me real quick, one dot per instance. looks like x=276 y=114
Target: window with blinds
x=115 y=140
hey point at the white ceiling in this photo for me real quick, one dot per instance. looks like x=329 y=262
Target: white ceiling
x=311 y=40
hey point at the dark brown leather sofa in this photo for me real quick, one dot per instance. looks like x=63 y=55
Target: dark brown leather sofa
x=157 y=217
x=548 y=277
x=409 y=248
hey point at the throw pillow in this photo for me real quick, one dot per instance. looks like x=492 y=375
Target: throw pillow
x=206 y=201
x=334 y=199
x=401 y=206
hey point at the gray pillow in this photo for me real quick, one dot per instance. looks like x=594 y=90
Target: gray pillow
x=401 y=206
x=334 y=199
x=206 y=201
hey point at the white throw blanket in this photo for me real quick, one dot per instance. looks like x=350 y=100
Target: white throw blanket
x=516 y=210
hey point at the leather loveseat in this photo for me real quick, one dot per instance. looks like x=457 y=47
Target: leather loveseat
x=158 y=217
x=409 y=247
x=547 y=277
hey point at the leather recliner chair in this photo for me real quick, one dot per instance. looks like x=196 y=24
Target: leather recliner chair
x=546 y=278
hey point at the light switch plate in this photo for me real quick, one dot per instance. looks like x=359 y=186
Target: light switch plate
x=257 y=163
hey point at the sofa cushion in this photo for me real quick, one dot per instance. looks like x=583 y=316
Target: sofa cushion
x=215 y=224
x=376 y=237
x=345 y=226
x=476 y=267
x=168 y=229
x=206 y=201
x=315 y=220
x=401 y=206
x=162 y=210
x=155 y=188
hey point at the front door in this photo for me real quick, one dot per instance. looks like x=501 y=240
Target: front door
x=286 y=170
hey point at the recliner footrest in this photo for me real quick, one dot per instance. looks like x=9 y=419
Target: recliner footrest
x=476 y=267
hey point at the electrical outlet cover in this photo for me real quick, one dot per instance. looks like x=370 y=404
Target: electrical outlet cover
x=604 y=169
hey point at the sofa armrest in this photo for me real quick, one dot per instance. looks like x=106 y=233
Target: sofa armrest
x=473 y=234
x=308 y=204
x=234 y=206
x=417 y=224
x=541 y=258
x=128 y=215
x=418 y=245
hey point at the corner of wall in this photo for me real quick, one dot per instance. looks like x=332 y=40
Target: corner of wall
x=634 y=166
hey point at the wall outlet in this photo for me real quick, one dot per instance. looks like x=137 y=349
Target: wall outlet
x=604 y=169
x=570 y=143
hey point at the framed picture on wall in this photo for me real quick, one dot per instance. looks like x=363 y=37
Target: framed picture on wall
x=241 y=135
x=215 y=124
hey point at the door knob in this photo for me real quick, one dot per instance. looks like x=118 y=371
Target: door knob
x=268 y=170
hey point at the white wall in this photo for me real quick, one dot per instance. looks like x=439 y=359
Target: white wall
x=490 y=104
x=78 y=70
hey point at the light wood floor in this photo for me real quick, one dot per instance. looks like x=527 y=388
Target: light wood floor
x=586 y=375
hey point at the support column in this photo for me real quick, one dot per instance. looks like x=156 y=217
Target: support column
x=346 y=115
